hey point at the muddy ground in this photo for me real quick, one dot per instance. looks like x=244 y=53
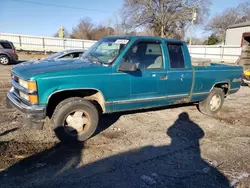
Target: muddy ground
x=168 y=147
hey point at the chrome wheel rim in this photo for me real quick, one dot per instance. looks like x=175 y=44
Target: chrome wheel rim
x=76 y=122
x=215 y=102
x=4 y=60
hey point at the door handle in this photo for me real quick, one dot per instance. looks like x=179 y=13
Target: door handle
x=182 y=76
x=163 y=77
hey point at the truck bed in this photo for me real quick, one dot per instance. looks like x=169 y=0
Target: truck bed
x=216 y=73
x=200 y=62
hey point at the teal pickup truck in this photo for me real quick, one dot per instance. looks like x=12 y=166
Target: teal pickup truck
x=117 y=73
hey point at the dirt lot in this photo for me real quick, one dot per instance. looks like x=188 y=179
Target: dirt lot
x=31 y=56
x=171 y=147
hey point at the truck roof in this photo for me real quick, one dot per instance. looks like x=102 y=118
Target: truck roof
x=129 y=37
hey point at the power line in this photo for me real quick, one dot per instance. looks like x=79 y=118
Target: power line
x=61 y=6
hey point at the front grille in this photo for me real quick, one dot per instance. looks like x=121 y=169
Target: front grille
x=15 y=78
x=16 y=92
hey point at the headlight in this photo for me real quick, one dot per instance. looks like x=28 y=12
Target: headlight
x=31 y=98
x=30 y=85
x=23 y=83
x=25 y=96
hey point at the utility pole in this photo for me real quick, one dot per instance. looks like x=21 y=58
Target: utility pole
x=194 y=15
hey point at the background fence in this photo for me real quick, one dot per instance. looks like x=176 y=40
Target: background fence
x=220 y=52
x=37 y=43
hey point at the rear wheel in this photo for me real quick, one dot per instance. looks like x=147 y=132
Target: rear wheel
x=4 y=60
x=213 y=103
x=75 y=119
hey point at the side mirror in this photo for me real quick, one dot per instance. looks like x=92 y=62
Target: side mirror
x=127 y=67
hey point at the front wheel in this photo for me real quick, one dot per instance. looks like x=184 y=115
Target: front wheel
x=213 y=103
x=75 y=119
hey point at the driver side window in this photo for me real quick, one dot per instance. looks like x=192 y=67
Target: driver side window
x=146 y=55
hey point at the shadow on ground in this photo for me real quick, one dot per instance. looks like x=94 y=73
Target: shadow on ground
x=178 y=164
x=17 y=62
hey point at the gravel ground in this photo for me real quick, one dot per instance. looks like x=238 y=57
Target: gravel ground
x=169 y=147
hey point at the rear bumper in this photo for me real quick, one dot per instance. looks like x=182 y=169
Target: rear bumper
x=33 y=115
x=13 y=57
x=246 y=81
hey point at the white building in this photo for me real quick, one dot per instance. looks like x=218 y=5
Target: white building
x=235 y=33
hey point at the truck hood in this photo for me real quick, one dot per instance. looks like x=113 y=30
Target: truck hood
x=29 y=69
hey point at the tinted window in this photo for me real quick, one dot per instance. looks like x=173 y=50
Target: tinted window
x=176 y=56
x=6 y=45
x=77 y=54
x=146 y=55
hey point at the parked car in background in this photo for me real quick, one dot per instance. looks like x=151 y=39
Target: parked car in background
x=66 y=54
x=7 y=52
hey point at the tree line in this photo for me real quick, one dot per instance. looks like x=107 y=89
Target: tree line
x=164 y=18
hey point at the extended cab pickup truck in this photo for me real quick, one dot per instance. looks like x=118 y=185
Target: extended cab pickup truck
x=117 y=74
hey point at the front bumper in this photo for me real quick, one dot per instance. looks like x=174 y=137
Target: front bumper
x=34 y=115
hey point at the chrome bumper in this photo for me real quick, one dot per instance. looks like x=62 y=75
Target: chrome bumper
x=33 y=115
x=246 y=81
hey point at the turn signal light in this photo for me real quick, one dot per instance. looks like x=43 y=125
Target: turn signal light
x=32 y=86
x=33 y=99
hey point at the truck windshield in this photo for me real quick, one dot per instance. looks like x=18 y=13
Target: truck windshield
x=105 y=51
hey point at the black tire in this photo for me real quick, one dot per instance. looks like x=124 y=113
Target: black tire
x=64 y=109
x=205 y=106
x=4 y=60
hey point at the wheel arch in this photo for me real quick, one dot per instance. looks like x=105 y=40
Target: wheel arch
x=224 y=85
x=6 y=54
x=92 y=94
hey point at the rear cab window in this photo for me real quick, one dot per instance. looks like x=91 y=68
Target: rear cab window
x=176 y=57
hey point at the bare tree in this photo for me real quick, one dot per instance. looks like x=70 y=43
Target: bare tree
x=167 y=18
x=83 y=29
x=219 y=23
x=101 y=31
x=120 y=25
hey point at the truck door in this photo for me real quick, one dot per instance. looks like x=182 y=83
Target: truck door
x=180 y=72
x=146 y=82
